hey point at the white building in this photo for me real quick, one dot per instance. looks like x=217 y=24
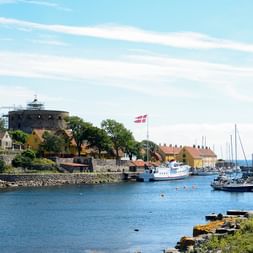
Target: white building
x=5 y=140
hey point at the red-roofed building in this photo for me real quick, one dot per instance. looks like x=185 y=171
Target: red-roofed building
x=168 y=152
x=197 y=157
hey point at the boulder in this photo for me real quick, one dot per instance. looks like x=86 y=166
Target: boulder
x=186 y=242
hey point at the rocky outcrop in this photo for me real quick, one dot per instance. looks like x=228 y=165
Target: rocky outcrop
x=220 y=226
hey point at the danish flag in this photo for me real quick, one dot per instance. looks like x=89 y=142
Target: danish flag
x=141 y=119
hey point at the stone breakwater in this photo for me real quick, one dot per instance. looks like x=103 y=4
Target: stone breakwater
x=10 y=180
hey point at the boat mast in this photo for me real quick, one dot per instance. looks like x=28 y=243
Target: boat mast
x=231 y=148
x=147 y=140
x=243 y=149
x=235 y=147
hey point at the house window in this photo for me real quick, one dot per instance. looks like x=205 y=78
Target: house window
x=184 y=160
x=184 y=155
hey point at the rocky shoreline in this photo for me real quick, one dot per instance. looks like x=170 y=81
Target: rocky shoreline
x=219 y=225
x=37 y=180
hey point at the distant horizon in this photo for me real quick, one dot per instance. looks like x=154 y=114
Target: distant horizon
x=186 y=64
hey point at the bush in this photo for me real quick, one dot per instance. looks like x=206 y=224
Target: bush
x=9 y=169
x=42 y=161
x=22 y=161
x=28 y=160
x=29 y=153
x=43 y=164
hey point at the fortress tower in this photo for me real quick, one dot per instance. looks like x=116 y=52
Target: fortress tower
x=35 y=116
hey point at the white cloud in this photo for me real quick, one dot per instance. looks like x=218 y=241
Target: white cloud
x=18 y=96
x=49 y=42
x=187 y=40
x=156 y=76
x=238 y=94
x=35 y=2
x=10 y=96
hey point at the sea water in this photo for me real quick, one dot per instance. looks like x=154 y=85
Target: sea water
x=120 y=218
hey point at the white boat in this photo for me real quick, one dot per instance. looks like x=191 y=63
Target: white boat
x=205 y=171
x=169 y=171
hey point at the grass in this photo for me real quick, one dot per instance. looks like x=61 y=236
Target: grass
x=240 y=242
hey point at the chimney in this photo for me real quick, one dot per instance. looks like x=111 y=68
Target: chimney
x=198 y=146
x=194 y=146
x=170 y=145
x=176 y=146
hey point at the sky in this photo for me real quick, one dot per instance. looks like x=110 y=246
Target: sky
x=188 y=64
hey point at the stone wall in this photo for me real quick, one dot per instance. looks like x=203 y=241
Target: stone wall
x=61 y=179
x=7 y=158
x=99 y=165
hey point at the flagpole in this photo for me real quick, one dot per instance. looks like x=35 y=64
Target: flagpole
x=147 y=140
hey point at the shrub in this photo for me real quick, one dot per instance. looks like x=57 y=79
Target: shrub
x=22 y=161
x=29 y=153
x=42 y=161
x=8 y=169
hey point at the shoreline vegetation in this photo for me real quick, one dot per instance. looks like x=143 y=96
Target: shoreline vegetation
x=230 y=233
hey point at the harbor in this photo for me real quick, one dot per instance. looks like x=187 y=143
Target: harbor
x=118 y=218
x=125 y=126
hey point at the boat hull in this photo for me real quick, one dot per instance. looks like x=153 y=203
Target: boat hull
x=236 y=188
x=170 y=178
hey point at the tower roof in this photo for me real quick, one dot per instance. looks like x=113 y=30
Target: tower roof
x=35 y=105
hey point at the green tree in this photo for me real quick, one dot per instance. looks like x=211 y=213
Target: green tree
x=120 y=136
x=81 y=131
x=100 y=140
x=52 y=143
x=29 y=153
x=149 y=147
x=133 y=148
x=19 y=136
x=2 y=124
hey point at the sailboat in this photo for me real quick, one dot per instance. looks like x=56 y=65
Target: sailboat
x=224 y=183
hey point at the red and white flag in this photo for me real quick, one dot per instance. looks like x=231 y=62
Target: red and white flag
x=141 y=119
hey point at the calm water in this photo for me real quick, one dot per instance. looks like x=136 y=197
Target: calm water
x=103 y=218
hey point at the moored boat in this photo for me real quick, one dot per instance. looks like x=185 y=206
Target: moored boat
x=223 y=183
x=205 y=171
x=169 y=171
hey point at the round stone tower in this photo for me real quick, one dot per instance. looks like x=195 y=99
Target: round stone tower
x=35 y=116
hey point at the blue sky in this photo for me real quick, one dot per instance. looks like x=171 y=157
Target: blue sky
x=186 y=63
